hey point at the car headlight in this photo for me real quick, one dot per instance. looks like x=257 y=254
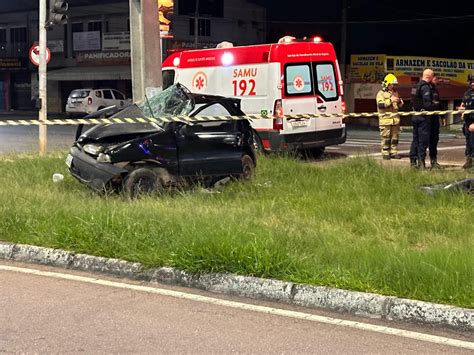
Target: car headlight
x=104 y=158
x=93 y=149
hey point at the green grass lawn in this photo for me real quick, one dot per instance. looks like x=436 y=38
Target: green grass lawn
x=351 y=224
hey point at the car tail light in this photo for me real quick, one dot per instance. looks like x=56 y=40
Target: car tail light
x=89 y=101
x=343 y=106
x=278 y=115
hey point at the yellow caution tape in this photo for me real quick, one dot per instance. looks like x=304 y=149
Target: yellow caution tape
x=94 y=121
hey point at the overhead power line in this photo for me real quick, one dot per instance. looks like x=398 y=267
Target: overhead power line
x=415 y=20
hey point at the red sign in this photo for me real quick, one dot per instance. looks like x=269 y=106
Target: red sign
x=35 y=55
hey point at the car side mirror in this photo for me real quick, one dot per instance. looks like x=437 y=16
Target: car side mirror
x=186 y=131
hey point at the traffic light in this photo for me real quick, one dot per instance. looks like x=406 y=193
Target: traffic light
x=57 y=13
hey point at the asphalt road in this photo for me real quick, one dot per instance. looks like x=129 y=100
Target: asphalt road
x=51 y=310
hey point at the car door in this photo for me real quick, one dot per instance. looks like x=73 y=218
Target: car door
x=108 y=98
x=210 y=147
x=119 y=98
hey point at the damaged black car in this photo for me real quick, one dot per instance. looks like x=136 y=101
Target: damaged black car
x=141 y=158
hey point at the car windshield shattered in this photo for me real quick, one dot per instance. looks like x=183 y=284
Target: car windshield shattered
x=174 y=101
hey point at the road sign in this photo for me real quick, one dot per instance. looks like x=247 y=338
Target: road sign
x=34 y=55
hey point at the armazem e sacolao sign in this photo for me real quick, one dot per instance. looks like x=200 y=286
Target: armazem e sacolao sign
x=372 y=68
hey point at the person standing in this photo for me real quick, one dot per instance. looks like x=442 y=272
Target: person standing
x=434 y=126
x=388 y=104
x=468 y=127
x=422 y=101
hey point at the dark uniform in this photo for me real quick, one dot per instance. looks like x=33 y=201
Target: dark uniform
x=468 y=103
x=434 y=130
x=422 y=101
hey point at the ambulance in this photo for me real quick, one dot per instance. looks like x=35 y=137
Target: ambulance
x=285 y=78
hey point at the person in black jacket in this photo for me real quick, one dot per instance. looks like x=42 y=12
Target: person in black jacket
x=435 y=125
x=468 y=128
x=422 y=101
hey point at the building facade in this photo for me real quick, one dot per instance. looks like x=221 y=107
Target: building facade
x=367 y=72
x=93 y=48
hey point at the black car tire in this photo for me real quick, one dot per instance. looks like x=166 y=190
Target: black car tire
x=248 y=167
x=142 y=181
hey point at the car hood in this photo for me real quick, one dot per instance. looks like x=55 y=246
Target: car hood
x=118 y=130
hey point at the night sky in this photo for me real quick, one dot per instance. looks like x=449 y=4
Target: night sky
x=445 y=37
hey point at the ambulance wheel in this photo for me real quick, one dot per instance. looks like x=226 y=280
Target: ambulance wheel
x=248 y=168
x=314 y=153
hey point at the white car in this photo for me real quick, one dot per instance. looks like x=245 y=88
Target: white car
x=85 y=101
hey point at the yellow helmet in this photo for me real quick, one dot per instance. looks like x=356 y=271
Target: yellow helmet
x=389 y=79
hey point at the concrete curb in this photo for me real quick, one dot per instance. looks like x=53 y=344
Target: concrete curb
x=359 y=303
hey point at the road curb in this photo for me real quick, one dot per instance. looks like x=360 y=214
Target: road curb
x=358 y=303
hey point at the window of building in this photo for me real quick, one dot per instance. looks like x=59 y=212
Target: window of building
x=94 y=26
x=204 y=27
x=77 y=27
x=18 y=41
x=3 y=42
x=214 y=8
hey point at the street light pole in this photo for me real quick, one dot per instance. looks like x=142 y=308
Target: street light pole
x=145 y=48
x=43 y=95
x=343 y=39
x=196 y=27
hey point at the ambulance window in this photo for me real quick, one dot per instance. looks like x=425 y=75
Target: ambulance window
x=298 y=79
x=324 y=74
x=168 y=78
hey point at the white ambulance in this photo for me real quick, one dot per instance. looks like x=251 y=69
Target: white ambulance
x=285 y=78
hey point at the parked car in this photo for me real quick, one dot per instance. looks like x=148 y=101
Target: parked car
x=145 y=157
x=85 y=101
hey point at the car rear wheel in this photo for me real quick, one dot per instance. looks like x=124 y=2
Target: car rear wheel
x=248 y=168
x=142 y=181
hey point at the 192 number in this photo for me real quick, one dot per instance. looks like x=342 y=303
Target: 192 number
x=327 y=86
x=244 y=87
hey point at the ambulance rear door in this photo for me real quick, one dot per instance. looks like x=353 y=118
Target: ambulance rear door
x=310 y=87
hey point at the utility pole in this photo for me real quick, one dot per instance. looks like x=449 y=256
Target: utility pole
x=43 y=95
x=145 y=48
x=196 y=27
x=343 y=39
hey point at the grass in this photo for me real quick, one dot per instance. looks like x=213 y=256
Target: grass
x=351 y=224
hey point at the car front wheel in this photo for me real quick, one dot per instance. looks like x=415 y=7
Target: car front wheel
x=248 y=167
x=142 y=181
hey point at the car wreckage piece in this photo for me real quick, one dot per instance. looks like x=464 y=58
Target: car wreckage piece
x=466 y=185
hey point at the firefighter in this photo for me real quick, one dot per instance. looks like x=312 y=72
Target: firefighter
x=389 y=102
x=435 y=125
x=422 y=100
x=468 y=127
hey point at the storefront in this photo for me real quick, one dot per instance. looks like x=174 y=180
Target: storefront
x=15 y=84
x=98 y=69
x=368 y=70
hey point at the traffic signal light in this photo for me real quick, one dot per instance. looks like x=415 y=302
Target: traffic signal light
x=57 y=12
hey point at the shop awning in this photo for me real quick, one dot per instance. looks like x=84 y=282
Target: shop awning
x=91 y=73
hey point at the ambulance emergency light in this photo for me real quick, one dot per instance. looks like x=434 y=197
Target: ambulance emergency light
x=286 y=39
x=227 y=58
